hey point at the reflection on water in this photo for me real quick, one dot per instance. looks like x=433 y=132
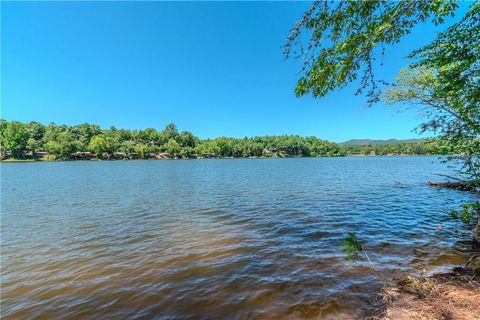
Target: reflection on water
x=231 y=239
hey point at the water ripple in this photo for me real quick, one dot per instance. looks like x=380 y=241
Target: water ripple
x=233 y=239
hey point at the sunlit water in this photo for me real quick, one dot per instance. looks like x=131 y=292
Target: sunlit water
x=217 y=239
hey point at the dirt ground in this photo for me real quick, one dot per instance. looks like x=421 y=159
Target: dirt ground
x=450 y=296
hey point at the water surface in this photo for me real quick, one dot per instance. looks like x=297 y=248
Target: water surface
x=217 y=239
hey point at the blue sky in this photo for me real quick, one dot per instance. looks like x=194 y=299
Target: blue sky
x=213 y=68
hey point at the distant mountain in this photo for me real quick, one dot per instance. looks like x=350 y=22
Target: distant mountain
x=365 y=142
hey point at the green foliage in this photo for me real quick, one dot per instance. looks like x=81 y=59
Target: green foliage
x=52 y=147
x=141 y=150
x=36 y=130
x=351 y=247
x=468 y=212
x=127 y=146
x=345 y=37
x=171 y=131
x=63 y=146
x=444 y=83
x=84 y=133
x=13 y=137
x=99 y=145
x=32 y=144
x=424 y=147
x=207 y=147
x=187 y=139
x=172 y=147
x=62 y=141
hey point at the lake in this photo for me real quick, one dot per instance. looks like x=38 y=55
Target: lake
x=218 y=239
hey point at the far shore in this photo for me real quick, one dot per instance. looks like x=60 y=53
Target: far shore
x=13 y=160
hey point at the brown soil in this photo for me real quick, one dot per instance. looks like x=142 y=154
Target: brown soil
x=454 y=295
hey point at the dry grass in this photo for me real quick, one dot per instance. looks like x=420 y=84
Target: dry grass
x=451 y=296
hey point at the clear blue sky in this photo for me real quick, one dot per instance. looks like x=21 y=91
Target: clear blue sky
x=213 y=68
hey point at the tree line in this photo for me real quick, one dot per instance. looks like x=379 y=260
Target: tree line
x=27 y=140
x=422 y=147
x=343 y=42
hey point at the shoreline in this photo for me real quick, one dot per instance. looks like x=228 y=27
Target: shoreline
x=450 y=295
x=11 y=160
x=453 y=294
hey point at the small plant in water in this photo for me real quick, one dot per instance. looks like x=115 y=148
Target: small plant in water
x=352 y=248
x=468 y=212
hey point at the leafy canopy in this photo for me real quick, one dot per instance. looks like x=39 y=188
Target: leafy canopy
x=13 y=137
x=444 y=83
x=339 y=41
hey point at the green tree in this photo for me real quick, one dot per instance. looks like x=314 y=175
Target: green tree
x=170 y=132
x=444 y=82
x=53 y=147
x=84 y=133
x=149 y=135
x=33 y=145
x=3 y=124
x=141 y=150
x=127 y=147
x=172 y=147
x=207 y=147
x=346 y=37
x=225 y=146
x=63 y=146
x=187 y=152
x=99 y=145
x=36 y=131
x=61 y=140
x=187 y=139
x=14 y=138
x=52 y=132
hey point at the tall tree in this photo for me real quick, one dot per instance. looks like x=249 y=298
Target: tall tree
x=14 y=138
x=345 y=38
x=444 y=82
x=172 y=147
x=170 y=131
x=99 y=144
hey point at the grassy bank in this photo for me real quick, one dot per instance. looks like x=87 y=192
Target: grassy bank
x=453 y=295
